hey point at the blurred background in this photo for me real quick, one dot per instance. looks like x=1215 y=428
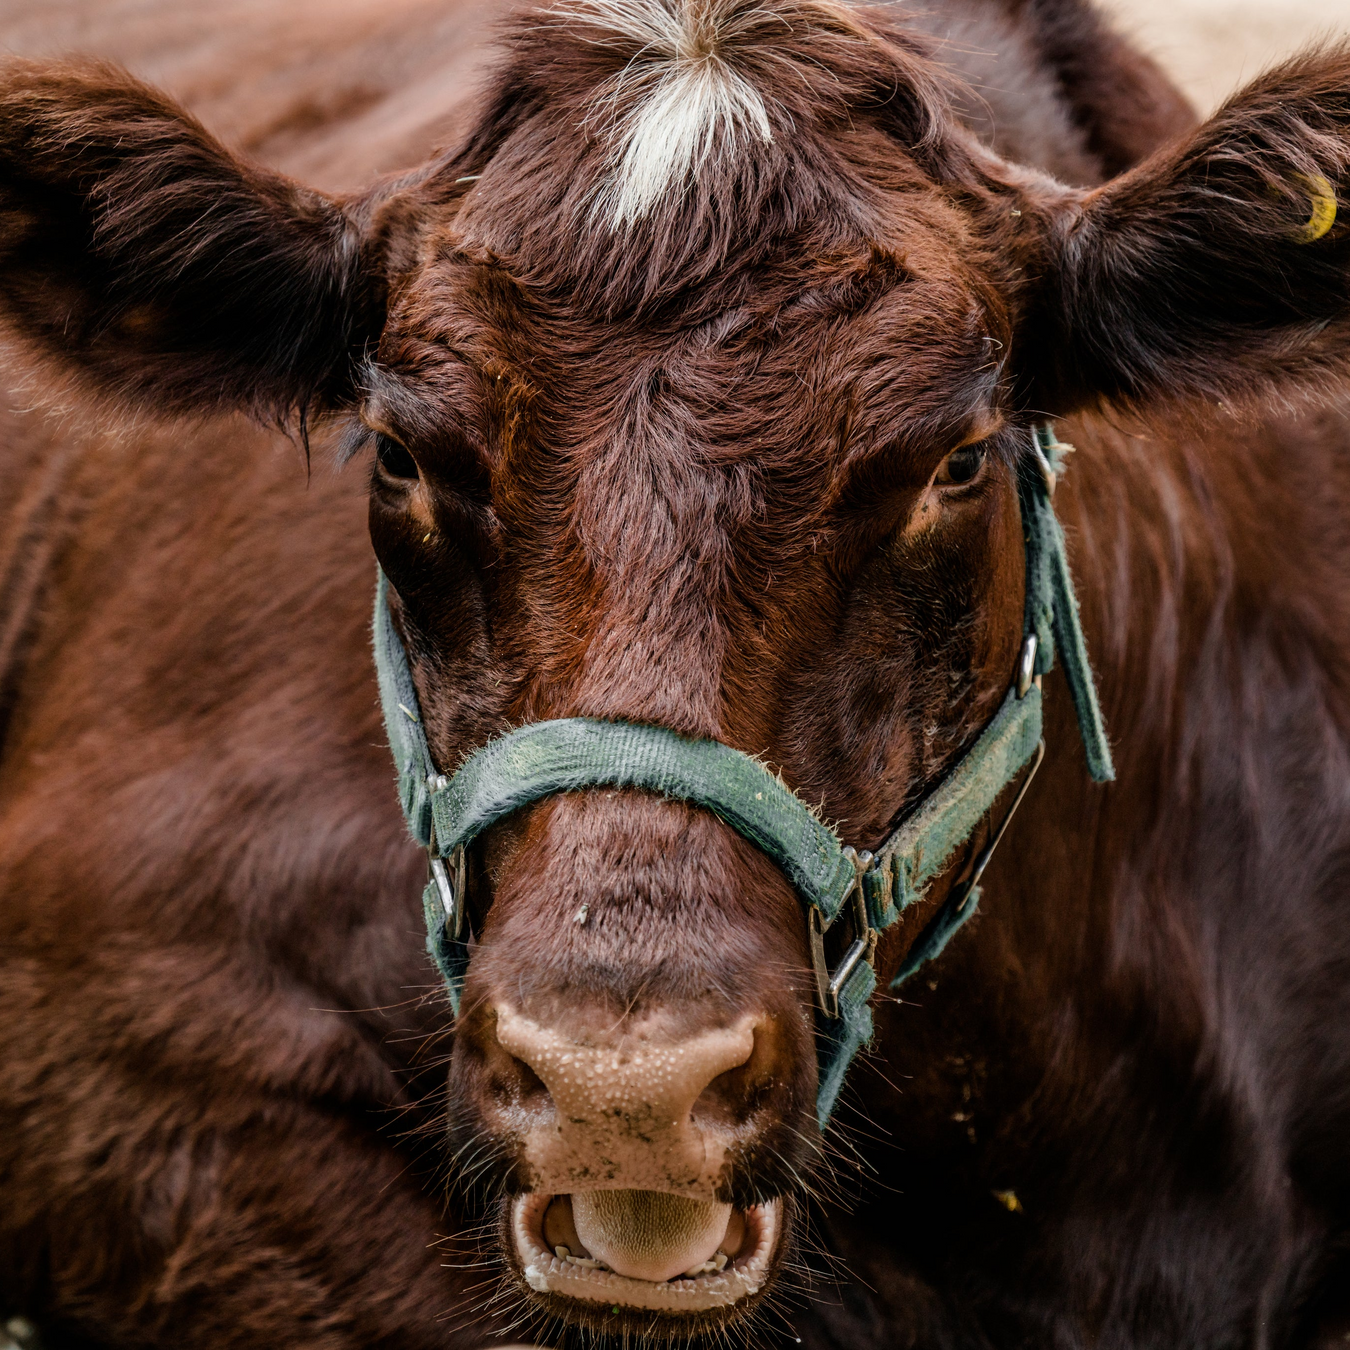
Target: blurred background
x=397 y=70
x=1211 y=46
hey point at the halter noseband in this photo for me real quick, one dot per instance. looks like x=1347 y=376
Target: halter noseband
x=834 y=882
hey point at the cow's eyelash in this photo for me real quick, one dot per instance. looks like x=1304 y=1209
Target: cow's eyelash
x=354 y=438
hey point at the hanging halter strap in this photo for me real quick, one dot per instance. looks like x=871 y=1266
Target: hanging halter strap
x=834 y=882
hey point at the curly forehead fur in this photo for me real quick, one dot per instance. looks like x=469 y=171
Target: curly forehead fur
x=666 y=140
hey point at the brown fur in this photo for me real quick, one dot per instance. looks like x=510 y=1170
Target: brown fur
x=680 y=472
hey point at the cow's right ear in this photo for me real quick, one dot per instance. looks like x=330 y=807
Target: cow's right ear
x=141 y=258
x=1219 y=269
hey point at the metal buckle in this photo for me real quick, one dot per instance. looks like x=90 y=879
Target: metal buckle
x=449 y=880
x=449 y=886
x=829 y=987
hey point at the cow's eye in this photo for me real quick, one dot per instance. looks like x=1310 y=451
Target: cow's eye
x=394 y=459
x=962 y=466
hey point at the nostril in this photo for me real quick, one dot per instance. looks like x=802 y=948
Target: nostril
x=738 y=1093
x=510 y=1079
x=517 y=1063
x=520 y=1084
x=731 y=1098
x=650 y=1072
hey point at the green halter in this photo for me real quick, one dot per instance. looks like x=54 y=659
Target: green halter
x=833 y=881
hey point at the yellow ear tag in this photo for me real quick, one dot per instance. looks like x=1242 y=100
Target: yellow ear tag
x=1323 y=209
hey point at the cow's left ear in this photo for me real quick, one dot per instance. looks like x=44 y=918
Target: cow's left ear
x=1219 y=268
x=143 y=260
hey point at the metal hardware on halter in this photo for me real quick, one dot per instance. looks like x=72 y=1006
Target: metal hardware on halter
x=449 y=886
x=449 y=880
x=1026 y=677
x=1026 y=666
x=966 y=888
x=829 y=987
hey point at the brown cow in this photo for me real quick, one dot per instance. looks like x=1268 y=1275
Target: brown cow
x=693 y=385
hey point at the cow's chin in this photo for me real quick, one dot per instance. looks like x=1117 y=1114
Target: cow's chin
x=728 y=1255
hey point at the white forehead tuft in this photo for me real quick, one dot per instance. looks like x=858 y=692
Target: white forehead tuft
x=685 y=100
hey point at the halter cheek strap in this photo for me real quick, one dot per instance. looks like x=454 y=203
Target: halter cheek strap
x=835 y=883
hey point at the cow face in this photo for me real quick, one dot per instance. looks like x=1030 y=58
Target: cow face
x=755 y=492
x=591 y=510
x=693 y=387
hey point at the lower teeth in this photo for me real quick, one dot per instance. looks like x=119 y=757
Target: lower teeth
x=565 y=1254
x=717 y=1263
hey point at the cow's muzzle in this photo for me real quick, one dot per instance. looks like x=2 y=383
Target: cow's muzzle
x=630 y=1248
x=626 y=1136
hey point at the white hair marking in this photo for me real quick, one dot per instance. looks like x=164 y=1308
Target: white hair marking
x=691 y=102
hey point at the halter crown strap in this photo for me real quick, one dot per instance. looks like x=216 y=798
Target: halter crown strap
x=538 y=761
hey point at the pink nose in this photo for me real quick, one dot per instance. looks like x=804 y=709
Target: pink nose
x=622 y=1110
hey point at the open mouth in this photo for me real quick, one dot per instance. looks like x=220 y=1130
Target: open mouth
x=644 y=1249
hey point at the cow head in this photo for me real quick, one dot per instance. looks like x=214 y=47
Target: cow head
x=693 y=386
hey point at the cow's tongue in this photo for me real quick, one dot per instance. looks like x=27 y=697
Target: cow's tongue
x=648 y=1235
